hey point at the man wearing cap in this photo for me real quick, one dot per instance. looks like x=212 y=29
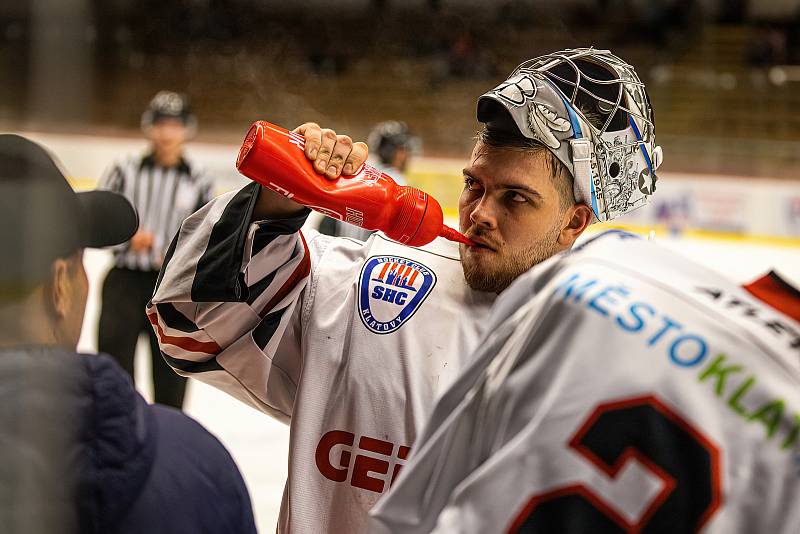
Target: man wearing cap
x=81 y=450
x=351 y=342
x=165 y=187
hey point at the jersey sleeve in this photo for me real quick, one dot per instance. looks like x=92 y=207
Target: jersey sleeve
x=227 y=304
x=444 y=453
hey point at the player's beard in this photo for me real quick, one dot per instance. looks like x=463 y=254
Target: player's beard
x=494 y=272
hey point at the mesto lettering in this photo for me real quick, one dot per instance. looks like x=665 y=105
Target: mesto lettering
x=739 y=390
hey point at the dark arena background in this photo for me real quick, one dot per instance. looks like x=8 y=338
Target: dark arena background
x=723 y=78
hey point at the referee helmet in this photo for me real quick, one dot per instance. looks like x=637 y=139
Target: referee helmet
x=169 y=105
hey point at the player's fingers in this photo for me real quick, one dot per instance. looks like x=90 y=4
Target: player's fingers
x=341 y=151
x=358 y=155
x=313 y=136
x=325 y=150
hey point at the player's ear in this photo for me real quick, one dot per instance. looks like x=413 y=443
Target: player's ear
x=58 y=289
x=577 y=218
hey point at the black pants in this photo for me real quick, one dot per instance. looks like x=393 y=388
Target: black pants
x=123 y=318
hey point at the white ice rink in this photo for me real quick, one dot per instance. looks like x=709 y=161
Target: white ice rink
x=260 y=444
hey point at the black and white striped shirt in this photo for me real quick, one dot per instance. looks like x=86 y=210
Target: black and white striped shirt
x=163 y=198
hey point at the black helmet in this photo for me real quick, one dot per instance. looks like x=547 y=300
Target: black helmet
x=388 y=136
x=168 y=104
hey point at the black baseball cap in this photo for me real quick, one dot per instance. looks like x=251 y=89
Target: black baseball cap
x=42 y=218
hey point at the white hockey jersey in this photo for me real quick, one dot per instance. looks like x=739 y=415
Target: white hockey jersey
x=350 y=342
x=620 y=388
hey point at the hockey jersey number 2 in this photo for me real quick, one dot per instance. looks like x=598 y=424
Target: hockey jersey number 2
x=644 y=428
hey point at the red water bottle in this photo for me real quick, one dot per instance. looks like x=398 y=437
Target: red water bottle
x=276 y=159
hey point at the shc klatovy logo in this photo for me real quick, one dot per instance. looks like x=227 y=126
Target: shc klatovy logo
x=391 y=289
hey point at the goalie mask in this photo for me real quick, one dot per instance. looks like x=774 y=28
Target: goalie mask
x=549 y=98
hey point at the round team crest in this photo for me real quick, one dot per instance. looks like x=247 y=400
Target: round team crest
x=390 y=290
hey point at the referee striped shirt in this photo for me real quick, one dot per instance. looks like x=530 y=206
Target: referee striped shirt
x=163 y=198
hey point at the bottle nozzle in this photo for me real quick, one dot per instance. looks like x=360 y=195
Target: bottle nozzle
x=455 y=235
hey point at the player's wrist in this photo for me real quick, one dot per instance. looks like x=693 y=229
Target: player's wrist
x=271 y=205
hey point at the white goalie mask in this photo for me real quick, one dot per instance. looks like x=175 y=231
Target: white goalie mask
x=613 y=166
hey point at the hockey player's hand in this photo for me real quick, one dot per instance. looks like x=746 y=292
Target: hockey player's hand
x=333 y=155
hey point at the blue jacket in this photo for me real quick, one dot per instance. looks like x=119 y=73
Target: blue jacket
x=81 y=451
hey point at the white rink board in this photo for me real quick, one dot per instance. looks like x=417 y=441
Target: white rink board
x=735 y=206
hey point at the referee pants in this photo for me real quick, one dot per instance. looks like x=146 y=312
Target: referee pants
x=125 y=295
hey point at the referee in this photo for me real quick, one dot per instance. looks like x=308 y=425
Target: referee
x=165 y=188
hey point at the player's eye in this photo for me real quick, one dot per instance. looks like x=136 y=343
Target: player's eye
x=513 y=196
x=470 y=184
